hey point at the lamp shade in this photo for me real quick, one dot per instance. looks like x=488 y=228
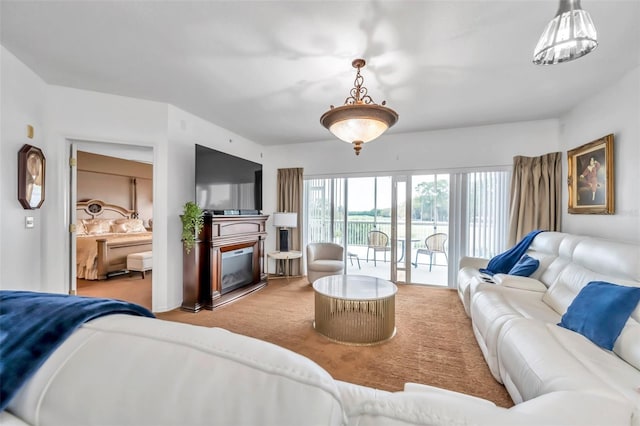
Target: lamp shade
x=570 y=35
x=285 y=220
x=360 y=119
x=359 y=122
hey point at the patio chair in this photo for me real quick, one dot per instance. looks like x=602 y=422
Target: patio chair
x=352 y=256
x=434 y=244
x=377 y=241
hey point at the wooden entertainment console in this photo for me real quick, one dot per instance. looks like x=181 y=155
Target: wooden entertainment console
x=202 y=270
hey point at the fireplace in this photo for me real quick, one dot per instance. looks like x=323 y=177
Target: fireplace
x=237 y=269
x=235 y=253
x=228 y=261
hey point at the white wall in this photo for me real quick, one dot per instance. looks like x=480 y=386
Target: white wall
x=36 y=259
x=88 y=117
x=185 y=130
x=443 y=150
x=141 y=154
x=23 y=100
x=613 y=110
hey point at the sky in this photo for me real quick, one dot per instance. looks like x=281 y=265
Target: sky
x=361 y=191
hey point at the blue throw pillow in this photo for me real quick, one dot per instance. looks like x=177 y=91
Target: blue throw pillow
x=526 y=266
x=600 y=311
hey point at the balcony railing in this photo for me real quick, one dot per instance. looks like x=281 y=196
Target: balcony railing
x=358 y=230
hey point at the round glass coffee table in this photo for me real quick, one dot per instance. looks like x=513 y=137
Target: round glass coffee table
x=355 y=309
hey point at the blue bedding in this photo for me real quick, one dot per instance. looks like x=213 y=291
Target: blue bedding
x=502 y=263
x=33 y=325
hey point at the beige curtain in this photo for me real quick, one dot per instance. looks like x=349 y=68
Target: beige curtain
x=290 y=192
x=536 y=194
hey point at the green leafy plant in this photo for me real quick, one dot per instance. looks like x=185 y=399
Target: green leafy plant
x=192 y=223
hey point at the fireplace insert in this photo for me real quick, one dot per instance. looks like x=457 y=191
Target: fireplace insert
x=237 y=269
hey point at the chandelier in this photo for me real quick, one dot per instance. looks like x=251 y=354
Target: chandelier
x=360 y=119
x=570 y=35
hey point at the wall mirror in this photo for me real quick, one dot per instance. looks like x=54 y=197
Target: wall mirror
x=31 y=169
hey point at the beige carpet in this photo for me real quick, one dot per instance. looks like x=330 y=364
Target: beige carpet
x=434 y=343
x=130 y=287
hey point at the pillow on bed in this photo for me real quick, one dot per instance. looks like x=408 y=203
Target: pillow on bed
x=97 y=226
x=94 y=228
x=137 y=225
x=119 y=228
x=80 y=229
x=132 y=225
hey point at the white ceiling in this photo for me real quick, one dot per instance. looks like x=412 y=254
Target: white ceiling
x=267 y=70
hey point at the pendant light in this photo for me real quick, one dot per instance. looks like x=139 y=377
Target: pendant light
x=360 y=119
x=570 y=35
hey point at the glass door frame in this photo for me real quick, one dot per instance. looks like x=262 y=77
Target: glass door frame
x=458 y=212
x=401 y=272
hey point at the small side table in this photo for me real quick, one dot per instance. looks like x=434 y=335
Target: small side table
x=283 y=259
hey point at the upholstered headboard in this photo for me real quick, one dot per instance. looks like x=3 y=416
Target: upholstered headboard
x=97 y=209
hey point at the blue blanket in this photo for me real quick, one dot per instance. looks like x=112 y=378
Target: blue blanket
x=502 y=263
x=33 y=325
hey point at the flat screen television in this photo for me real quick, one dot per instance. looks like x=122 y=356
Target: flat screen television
x=226 y=184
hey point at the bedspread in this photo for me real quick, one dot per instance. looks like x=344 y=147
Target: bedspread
x=87 y=250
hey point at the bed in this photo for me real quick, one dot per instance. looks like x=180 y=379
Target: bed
x=106 y=234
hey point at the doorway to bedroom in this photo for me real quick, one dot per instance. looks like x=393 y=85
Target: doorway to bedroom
x=111 y=188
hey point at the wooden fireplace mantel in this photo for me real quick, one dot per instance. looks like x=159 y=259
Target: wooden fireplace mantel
x=221 y=234
x=230 y=233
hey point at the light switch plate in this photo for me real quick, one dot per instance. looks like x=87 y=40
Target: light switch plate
x=29 y=222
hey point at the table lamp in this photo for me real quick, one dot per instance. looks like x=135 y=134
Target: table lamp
x=284 y=221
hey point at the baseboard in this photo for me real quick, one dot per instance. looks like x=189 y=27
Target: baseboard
x=280 y=277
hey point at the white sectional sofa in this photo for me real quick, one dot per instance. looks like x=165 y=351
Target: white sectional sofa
x=130 y=370
x=126 y=370
x=515 y=320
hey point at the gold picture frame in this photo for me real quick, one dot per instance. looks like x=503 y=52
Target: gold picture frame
x=31 y=177
x=590 y=177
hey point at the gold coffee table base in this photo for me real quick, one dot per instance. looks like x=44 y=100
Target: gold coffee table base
x=356 y=322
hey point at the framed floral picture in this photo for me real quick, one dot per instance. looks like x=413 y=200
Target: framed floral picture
x=31 y=178
x=590 y=177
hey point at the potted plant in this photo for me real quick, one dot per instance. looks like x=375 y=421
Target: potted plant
x=192 y=223
x=192 y=257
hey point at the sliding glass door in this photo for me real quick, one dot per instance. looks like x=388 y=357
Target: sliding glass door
x=429 y=244
x=368 y=226
x=479 y=215
x=324 y=210
x=410 y=228
x=487 y=213
x=401 y=267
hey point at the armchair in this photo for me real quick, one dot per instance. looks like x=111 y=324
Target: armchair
x=324 y=259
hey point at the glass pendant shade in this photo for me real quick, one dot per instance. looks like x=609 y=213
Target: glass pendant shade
x=359 y=120
x=570 y=35
x=362 y=129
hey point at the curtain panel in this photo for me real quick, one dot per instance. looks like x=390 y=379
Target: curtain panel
x=290 y=185
x=536 y=195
